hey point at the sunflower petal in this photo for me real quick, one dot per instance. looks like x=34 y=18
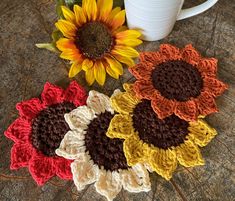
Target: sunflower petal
x=124 y=103
x=129 y=42
x=114 y=65
x=163 y=162
x=214 y=86
x=108 y=184
x=104 y=8
x=111 y=72
x=75 y=69
x=67 y=28
x=79 y=15
x=144 y=89
x=186 y=110
x=72 y=55
x=128 y=34
x=64 y=43
x=114 y=12
x=190 y=55
x=162 y=106
x=206 y=103
x=201 y=133
x=90 y=9
x=87 y=64
x=118 y=20
x=188 y=154
x=134 y=150
x=123 y=59
x=120 y=127
x=99 y=72
x=120 y=29
x=125 y=51
x=68 y=14
x=90 y=78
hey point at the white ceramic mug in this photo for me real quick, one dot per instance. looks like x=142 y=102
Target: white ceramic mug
x=156 y=18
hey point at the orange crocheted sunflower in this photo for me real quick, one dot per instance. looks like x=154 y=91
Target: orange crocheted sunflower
x=179 y=82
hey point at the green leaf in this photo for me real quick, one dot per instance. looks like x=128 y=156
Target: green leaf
x=118 y=3
x=70 y=3
x=56 y=35
x=48 y=46
x=59 y=3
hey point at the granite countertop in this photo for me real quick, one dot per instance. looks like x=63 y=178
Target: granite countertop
x=25 y=69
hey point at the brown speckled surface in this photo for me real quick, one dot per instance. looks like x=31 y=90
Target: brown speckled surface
x=25 y=69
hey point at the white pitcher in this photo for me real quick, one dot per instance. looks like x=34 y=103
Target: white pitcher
x=156 y=18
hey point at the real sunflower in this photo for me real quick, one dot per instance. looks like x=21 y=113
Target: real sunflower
x=178 y=81
x=96 y=41
x=159 y=143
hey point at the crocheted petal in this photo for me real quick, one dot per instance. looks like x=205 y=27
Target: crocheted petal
x=206 y=103
x=134 y=150
x=20 y=155
x=201 y=133
x=144 y=89
x=124 y=102
x=136 y=179
x=208 y=66
x=163 y=162
x=99 y=102
x=120 y=127
x=75 y=94
x=72 y=145
x=188 y=154
x=186 y=110
x=51 y=94
x=190 y=55
x=79 y=118
x=162 y=106
x=41 y=168
x=63 y=169
x=84 y=173
x=30 y=108
x=141 y=71
x=214 y=86
x=169 y=52
x=19 y=130
x=108 y=184
x=150 y=58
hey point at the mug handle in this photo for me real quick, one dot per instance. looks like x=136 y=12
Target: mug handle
x=189 y=12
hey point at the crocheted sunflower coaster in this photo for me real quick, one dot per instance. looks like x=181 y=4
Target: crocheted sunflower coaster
x=149 y=139
x=97 y=158
x=39 y=130
x=178 y=82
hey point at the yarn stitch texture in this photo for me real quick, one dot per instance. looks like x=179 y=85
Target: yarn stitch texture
x=178 y=81
x=161 y=160
x=97 y=158
x=37 y=132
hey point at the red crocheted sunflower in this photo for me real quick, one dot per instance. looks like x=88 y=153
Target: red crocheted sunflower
x=179 y=82
x=40 y=128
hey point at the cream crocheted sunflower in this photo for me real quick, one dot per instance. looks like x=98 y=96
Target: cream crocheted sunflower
x=97 y=158
x=161 y=143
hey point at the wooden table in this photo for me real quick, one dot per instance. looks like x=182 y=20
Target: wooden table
x=25 y=69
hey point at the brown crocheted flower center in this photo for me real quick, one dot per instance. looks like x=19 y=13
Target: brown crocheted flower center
x=177 y=80
x=49 y=128
x=94 y=40
x=104 y=151
x=165 y=133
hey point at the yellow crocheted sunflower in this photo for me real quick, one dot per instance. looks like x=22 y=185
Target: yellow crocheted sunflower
x=96 y=41
x=158 y=142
